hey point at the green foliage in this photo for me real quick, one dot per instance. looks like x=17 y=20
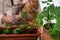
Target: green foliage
x=6 y=31
x=16 y=31
x=24 y=28
x=24 y=14
x=53 y=33
x=39 y=18
x=47 y=12
x=48 y=3
x=53 y=11
x=50 y=0
x=57 y=12
x=8 y=24
x=44 y=1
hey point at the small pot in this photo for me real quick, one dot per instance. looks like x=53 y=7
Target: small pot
x=20 y=36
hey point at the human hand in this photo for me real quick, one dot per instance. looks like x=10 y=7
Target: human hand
x=6 y=19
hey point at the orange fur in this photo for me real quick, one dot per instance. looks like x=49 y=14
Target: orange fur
x=31 y=7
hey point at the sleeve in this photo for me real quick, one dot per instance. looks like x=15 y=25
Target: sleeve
x=1 y=10
x=8 y=7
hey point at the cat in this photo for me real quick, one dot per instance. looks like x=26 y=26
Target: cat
x=31 y=7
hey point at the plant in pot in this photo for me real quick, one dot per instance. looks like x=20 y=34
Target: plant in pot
x=25 y=29
x=19 y=28
x=16 y=24
x=50 y=13
x=48 y=18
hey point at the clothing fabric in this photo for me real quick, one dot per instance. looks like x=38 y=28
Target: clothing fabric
x=6 y=7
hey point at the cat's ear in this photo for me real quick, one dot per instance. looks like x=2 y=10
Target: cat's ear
x=21 y=0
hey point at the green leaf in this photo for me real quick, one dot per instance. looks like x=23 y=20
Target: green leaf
x=39 y=18
x=53 y=34
x=45 y=8
x=52 y=16
x=16 y=31
x=24 y=14
x=51 y=9
x=48 y=3
x=8 y=24
x=44 y=1
x=22 y=26
x=6 y=31
x=50 y=0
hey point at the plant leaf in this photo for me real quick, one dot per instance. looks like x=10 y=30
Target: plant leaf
x=24 y=14
x=50 y=0
x=44 y=1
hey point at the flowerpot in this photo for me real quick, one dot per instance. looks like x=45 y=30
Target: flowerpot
x=20 y=36
x=13 y=27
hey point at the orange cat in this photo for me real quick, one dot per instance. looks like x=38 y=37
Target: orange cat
x=32 y=8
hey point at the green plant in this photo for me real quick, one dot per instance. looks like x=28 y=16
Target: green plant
x=24 y=14
x=51 y=12
x=8 y=24
x=6 y=30
x=56 y=27
x=56 y=11
x=47 y=12
x=16 y=31
x=23 y=28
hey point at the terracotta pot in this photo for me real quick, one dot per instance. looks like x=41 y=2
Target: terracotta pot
x=13 y=27
x=2 y=27
x=20 y=36
x=46 y=35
